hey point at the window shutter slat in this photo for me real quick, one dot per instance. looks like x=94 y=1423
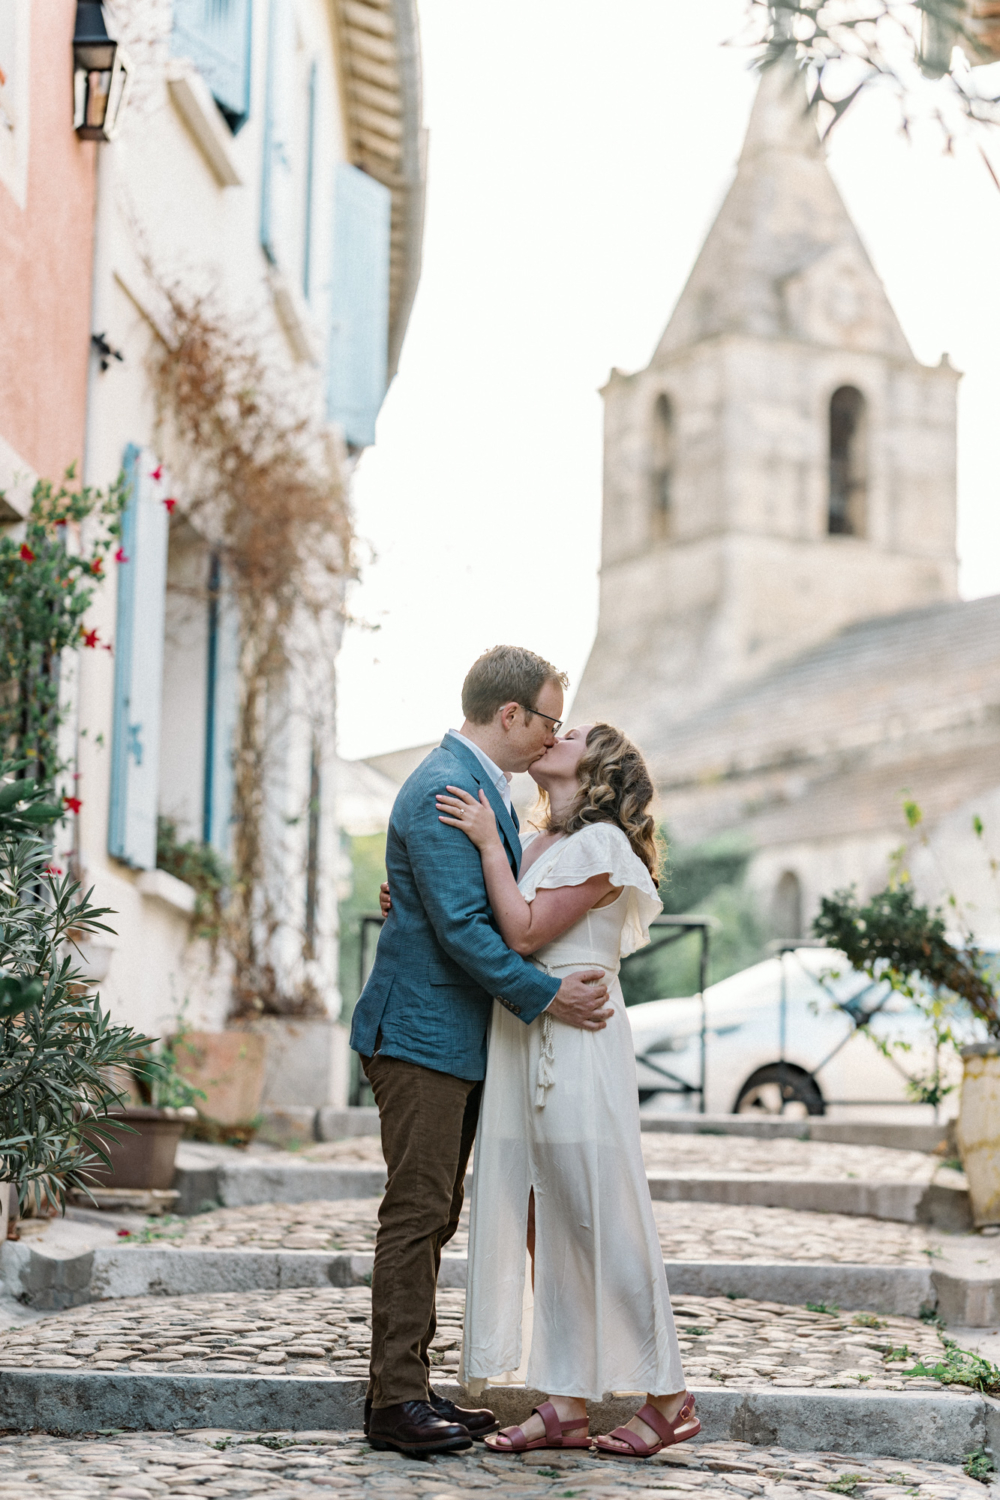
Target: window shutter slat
x=359 y=324
x=135 y=753
x=215 y=35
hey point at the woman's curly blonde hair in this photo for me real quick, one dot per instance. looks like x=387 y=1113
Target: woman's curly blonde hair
x=615 y=787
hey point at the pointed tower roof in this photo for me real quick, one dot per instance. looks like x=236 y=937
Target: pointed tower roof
x=783 y=259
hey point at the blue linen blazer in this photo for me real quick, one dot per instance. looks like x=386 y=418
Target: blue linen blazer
x=440 y=960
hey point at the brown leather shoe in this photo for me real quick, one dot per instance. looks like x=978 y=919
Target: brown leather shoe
x=476 y=1422
x=415 y=1427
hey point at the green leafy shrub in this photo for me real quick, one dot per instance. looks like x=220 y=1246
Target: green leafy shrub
x=893 y=937
x=45 y=589
x=201 y=867
x=57 y=1046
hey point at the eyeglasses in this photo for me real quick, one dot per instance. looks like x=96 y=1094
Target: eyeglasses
x=557 y=724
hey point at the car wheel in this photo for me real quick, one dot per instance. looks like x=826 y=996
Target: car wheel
x=780 y=1089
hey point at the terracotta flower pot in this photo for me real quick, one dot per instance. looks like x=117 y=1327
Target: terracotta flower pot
x=978 y=1130
x=228 y=1067
x=141 y=1160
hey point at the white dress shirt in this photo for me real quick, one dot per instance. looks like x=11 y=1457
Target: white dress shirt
x=499 y=778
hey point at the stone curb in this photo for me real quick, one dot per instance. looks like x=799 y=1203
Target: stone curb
x=330 y=1123
x=50 y=1283
x=904 y=1202
x=928 y=1425
x=245 y=1183
x=898 y=1136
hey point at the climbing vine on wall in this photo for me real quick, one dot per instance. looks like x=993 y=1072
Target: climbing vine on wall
x=263 y=485
x=47 y=580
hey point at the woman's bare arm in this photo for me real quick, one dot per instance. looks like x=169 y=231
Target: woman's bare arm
x=525 y=926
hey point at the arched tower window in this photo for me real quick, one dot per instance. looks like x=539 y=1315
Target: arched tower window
x=848 y=463
x=662 y=469
x=786 y=907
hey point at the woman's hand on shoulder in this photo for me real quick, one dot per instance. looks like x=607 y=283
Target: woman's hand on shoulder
x=474 y=817
x=384 y=899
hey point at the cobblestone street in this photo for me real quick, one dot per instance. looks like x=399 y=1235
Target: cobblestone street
x=307 y=1466
x=698 y=1231
x=719 y=1153
x=325 y=1332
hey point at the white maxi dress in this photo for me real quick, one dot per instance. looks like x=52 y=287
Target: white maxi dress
x=560 y=1114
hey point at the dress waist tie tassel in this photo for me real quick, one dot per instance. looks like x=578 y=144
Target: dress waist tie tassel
x=545 y=1074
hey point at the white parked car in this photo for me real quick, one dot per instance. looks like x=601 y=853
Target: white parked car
x=798 y=1058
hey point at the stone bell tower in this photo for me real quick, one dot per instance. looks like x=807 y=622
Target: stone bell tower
x=784 y=466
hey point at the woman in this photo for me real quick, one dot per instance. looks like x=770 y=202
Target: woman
x=558 y=1153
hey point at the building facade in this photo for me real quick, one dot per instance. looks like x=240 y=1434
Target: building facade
x=269 y=169
x=47 y=188
x=779 y=620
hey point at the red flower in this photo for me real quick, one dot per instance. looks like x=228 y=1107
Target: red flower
x=95 y=566
x=89 y=636
x=72 y=804
x=26 y=553
x=120 y=555
x=170 y=504
x=157 y=473
x=124 y=1234
x=53 y=870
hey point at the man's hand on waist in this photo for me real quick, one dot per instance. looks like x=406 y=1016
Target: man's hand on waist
x=581 y=1001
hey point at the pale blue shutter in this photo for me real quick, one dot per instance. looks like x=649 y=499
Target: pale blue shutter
x=135 y=745
x=277 y=205
x=215 y=35
x=359 y=320
x=221 y=715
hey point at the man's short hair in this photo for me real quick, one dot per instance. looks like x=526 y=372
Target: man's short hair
x=506 y=674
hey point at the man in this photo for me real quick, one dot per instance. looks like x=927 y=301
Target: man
x=420 y=1027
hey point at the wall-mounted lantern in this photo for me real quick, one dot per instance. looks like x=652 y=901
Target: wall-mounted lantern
x=102 y=74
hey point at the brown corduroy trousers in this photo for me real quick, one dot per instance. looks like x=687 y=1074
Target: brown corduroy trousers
x=428 y=1122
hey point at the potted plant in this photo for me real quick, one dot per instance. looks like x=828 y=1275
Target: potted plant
x=892 y=937
x=57 y=1045
x=141 y=1156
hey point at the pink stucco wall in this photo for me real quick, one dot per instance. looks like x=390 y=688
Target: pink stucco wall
x=46 y=251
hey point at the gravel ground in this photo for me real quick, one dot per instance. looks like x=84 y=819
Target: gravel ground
x=309 y=1331
x=308 y=1466
x=689 y=1231
x=719 y=1153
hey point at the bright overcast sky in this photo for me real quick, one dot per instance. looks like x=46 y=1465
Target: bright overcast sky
x=579 y=150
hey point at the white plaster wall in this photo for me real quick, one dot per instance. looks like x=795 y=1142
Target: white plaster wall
x=159 y=203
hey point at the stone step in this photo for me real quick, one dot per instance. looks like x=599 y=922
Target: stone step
x=939 y=1426
x=56 y=1282
x=331 y=1124
x=898 y=1135
x=906 y=1202
x=236 y=1181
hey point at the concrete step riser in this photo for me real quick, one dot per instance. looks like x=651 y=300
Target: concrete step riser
x=904 y=1202
x=935 y=1426
x=52 y=1284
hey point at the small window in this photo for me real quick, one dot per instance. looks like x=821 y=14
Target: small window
x=786 y=907
x=848 y=463
x=662 y=470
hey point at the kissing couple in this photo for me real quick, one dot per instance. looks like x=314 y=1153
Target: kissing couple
x=494 y=1001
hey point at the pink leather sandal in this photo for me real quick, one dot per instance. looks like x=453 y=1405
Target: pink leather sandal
x=557 y=1434
x=685 y=1425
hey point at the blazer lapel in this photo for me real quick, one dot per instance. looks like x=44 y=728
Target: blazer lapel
x=474 y=766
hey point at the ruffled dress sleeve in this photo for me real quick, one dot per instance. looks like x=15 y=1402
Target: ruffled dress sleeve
x=599 y=849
